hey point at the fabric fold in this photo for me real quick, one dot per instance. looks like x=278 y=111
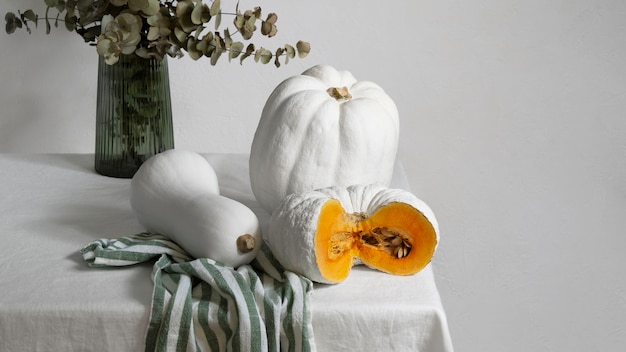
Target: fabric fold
x=202 y=305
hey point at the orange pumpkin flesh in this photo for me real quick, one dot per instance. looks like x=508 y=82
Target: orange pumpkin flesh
x=375 y=239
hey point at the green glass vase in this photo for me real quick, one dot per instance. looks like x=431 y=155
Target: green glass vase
x=134 y=114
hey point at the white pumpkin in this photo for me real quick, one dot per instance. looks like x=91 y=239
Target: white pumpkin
x=319 y=129
x=176 y=194
x=321 y=234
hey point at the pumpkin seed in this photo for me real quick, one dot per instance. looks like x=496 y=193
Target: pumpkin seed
x=392 y=241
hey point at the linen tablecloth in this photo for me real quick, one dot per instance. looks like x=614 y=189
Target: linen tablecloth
x=51 y=205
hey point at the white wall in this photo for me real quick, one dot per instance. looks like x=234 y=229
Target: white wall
x=514 y=131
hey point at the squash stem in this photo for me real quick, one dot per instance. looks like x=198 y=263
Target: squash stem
x=339 y=94
x=245 y=243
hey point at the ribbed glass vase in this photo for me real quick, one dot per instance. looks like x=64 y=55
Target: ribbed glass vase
x=134 y=114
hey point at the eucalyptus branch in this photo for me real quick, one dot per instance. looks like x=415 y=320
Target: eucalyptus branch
x=153 y=29
x=56 y=19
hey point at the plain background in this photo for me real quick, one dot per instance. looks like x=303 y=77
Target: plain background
x=513 y=130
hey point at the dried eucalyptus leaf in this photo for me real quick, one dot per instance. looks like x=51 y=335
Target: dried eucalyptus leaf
x=246 y=30
x=239 y=21
x=71 y=4
x=48 y=27
x=180 y=34
x=183 y=8
x=215 y=56
x=87 y=13
x=276 y=62
x=227 y=39
x=203 y=46
x=211 y=44
x=263 y=55
x=206 y=15
x=10 y=27
x=215 y=8
x=218 y=20
x=90 y=34
x=249 y=51
x=70 y=21
x=84 y=5
x=143 y=53
x=235 y=49
x=279 y=53
x=249 y=25
x=10 y=17
x=266 y=28
x=192 y=50
x=208 y=37
x=52 y=3
x=30 y=15
x=13 y=23
x=303 y=48
x=184 y=11
x=198 y=32
x=272 y=18
x=290 y=51
x=218 y=42
x=154 y=6
x=196 y=14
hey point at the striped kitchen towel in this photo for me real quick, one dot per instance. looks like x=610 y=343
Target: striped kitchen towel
x=201 y=305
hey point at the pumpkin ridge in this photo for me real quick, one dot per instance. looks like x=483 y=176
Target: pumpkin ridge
x=312 y=153
x=282 y=157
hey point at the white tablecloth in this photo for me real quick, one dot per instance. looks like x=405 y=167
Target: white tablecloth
x=53 y=205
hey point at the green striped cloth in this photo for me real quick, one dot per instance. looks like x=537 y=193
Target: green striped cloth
x=201 y=305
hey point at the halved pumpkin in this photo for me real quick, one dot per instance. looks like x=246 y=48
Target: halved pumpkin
x=321 y=234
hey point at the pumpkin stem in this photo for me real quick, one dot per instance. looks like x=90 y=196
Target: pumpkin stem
x=340 y=94
x=245 y=243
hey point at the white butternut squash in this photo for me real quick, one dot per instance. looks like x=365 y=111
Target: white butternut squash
x=176 y=194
